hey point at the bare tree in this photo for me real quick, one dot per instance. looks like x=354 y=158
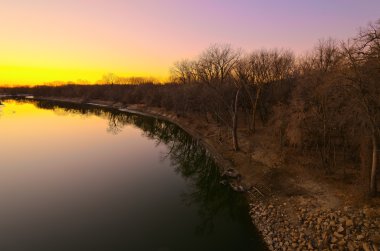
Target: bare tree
x=184 y=72
x=109 y=78
x=215 y=69
x=316 y=103
x=264 y=67
x=362 y=84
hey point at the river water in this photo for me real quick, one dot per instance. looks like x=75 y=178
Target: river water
x=83 y=178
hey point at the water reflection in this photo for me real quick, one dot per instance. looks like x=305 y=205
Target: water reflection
x=186 y=154
x=213 y=201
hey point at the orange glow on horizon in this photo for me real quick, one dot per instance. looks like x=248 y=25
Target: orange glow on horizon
x=31 y=76
x=46 y=41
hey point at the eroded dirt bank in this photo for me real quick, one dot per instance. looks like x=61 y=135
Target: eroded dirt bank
x=294 y=208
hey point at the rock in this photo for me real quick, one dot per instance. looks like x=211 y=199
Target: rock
x=314 y=228
x=338 y=235
x=320 y=243
x=342 y=243
x=350 y=246
x=360 y=237
x=332 y=216
x=366 y=211
x=340 y=229
x=223 y=182
x=349 y=223
x=366 y=247
x=319 y=221
x=231 y=173
x=310 y=246
x=374 y=247
x=237 y=188
x=348 y=232
x=324 y=236
x=376 y=237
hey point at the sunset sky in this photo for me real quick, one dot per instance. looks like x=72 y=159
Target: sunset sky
x=49 y=40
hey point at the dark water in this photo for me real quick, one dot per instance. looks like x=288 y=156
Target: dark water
x=85 y=178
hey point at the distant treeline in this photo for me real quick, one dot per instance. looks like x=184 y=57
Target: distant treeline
x=327 y=100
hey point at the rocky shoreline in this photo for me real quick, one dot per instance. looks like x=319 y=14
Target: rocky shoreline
x=285 y=223
x=298 y=225
x=314 y=228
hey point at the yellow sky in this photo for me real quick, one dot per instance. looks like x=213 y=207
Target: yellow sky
x=54 y=40
x=48 y=41
x=34 y=75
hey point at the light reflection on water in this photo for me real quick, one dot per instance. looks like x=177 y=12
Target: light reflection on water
x=84 y=178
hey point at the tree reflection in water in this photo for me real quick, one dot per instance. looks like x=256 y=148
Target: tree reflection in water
x=187 y=156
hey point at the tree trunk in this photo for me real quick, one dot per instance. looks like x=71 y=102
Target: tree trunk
x=262 y=112
x=373 y=187
x=235 y=122
x=254 y=108
x=252 y=104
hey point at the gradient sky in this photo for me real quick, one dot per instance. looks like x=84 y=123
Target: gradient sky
x=50 y=40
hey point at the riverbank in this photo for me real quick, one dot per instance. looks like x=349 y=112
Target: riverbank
x=293 y=207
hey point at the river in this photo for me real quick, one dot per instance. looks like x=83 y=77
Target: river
x=76 y=177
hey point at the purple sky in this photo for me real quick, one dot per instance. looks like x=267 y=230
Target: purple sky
x=47 y=40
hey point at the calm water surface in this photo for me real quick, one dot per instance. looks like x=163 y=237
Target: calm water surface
x=84 y=178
